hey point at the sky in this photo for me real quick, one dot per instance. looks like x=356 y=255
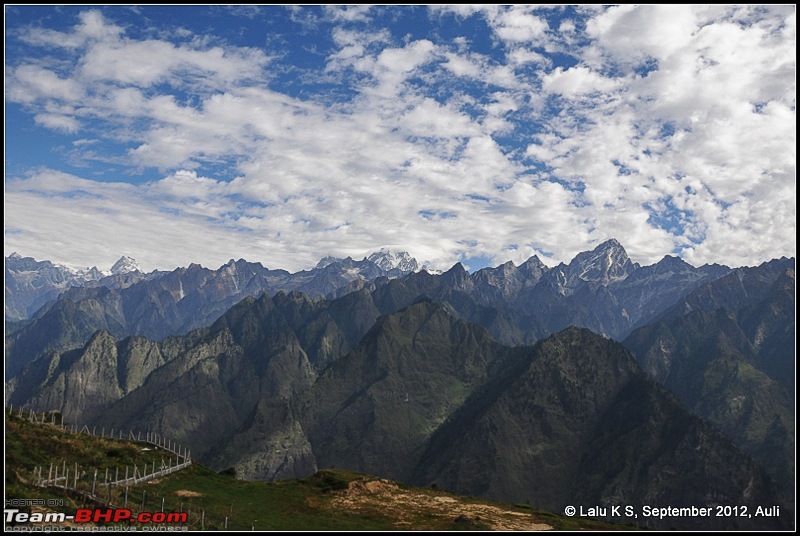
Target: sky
x=476 y=134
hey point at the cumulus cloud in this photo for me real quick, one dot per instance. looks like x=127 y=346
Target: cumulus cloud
x=671 y=129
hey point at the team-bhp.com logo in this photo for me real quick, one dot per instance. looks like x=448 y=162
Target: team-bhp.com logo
x=96 y=515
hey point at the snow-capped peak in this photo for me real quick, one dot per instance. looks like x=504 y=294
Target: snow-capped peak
x=605 y=264
x=327 y=261
x=386 y=260
x=125 y=265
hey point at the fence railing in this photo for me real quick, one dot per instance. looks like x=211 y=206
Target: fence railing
x=112 y=488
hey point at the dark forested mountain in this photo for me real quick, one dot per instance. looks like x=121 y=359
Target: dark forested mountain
x=423 y=397
x=435 y=378
x=576 y=422
x=727 y=351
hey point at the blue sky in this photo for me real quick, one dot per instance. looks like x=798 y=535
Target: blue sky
x=475 y=134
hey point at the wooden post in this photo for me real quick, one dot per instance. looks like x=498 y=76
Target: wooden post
x=162 y=504
x=116 y=475
x=144 y=493
x=50 y=472
x=94 y=481
x=125 y=505
x=203 y=520
x=126 y=474
x=76 y=477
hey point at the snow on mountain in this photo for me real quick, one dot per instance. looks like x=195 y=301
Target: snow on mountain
x=125 y=265
x=327 y=261
x=605 y=264
x=30 y=283
x=387 y=261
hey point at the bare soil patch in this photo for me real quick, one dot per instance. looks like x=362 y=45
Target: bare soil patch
x=409 y=505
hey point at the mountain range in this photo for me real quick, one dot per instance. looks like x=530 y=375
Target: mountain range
x=472 y=382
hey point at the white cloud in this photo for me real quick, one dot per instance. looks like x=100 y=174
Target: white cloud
x=31 y=83
x=150 y=62
x=58 y=122
x=629 y=34
x=518 y=24
x=696 y=151
x=92 y=26
x=356 y=13
x=577 y=81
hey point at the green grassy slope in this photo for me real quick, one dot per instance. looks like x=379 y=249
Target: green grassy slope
x=329 y=500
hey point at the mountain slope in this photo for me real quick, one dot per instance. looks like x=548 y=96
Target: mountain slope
x=29 y=284
x=165 y=303
x=727 y=353
x=428 y=398
x=578 y=423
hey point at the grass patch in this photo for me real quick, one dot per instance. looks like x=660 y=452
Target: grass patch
x=329 y=500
